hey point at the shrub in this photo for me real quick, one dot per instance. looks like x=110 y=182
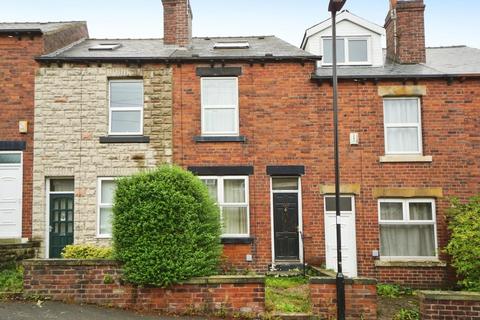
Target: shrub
x=86 y=251
x=166 y=228
x=407 y=314
x=464 y=245
x=392 y=290
x=11 y=279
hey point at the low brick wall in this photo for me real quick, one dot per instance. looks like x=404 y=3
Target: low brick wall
x=100 y=282
x=15 y=252
x=407 y=274
x=360 y=298
x=443 y=305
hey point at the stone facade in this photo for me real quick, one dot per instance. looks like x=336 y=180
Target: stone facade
x=71 y=114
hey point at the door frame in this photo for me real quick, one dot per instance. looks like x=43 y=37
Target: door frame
x=354 y=217
x=21 y=180
x=47 y=210
x=300 y=215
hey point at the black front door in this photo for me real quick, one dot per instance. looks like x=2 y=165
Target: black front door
x=61 y=223
x=285 y=215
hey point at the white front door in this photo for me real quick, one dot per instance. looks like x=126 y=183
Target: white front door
x=10 y=195
x=349 y=245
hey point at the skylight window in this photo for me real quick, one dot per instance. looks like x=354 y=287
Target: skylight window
x=232 y=45
x=106 y=46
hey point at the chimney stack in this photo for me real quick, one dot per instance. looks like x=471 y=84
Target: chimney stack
x=405 y=26
x=177 y=22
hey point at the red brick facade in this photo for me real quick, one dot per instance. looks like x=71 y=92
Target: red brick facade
x=287 y=120
x=100 y=283
x=17 y=77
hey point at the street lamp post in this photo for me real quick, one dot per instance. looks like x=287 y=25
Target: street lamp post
x=335 y=6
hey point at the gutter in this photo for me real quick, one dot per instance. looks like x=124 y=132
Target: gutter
x=396 y=77
x=16 y=32
x=258 y=59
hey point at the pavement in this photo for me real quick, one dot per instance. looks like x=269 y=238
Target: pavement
x=26 y=310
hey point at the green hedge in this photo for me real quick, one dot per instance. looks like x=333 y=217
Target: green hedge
x=464 y=245
x=166 y=228
x=86 y=251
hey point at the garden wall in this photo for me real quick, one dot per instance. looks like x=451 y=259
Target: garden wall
x=15 y=252
x=443 y=305
x=360 y=298
x=100 y=282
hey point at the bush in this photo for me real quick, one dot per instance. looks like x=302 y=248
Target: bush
x=407 y=314
x=11 y=279
x=166 y=228
x=464 y=245
x=86 y=251
x=393 y=290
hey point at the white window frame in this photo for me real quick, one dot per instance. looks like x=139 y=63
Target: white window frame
x=236 y=132
x=406 y=221
x=112 y=109
x=347 y=53
x=221 y=204
x=404 y=125
x=101 y=205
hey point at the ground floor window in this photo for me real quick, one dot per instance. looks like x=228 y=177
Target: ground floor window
x=106 y=192
x=407 y=228
x=231 y=195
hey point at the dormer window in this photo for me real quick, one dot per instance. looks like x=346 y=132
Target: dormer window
x=350 y=51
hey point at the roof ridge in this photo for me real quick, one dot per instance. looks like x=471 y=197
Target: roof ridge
x=44 y=22
x=446 y=47
x=226 y=37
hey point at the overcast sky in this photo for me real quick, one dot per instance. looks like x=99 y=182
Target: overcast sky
x=448 y=22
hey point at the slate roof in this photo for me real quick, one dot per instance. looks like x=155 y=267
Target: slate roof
x=441 y=62
x=35 y=27
x=261 y=47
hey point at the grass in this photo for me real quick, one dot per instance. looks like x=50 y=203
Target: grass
x=287 y=295
x=11 y=279
x=393 y=291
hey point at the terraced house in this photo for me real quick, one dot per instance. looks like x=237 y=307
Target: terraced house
x=20 y=43
x=252 y=117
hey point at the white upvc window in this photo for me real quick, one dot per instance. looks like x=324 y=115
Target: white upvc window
x=105 y=193
x=402 y=126
x=126 y=99
x=220 y=114
x=353 y=50
x=231 y=195
x=407 y=229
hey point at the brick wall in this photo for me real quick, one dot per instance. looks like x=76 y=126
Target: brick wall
x=100 y=282
x=177 y=22
x=71 y=115
x=415 y=277
x=360 y=298
x=287 y=120
x=444 y=305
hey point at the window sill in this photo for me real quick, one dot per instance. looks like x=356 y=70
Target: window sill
x=246 y=240
x=219 y=139
x=410 y=263
x=125 y=139
x=405 y=158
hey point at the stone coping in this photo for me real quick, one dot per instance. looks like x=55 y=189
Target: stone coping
x=410 y=264
x=332 y=280
x=71 y=262
x=30 y=244
x=450 y=295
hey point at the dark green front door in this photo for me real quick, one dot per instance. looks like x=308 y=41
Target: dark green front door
x=61 y=223
x=285 y=215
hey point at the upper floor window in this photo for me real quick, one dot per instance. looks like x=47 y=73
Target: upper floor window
x=220 y=106
x=402 y=121
x=106 y=192
x=407 y=228
x=231 y=195
x=126 y=107
x=351 y=50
